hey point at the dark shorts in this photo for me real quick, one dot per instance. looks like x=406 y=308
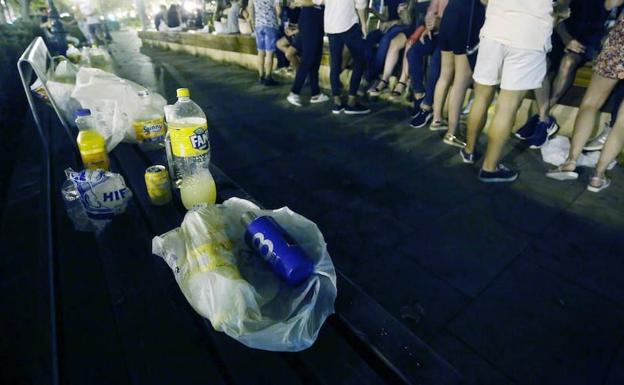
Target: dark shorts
x=593 y=47
x=295 y=41
x=458 y=32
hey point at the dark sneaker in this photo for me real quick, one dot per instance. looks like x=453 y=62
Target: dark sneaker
x=270 y=82
x=502 y=174
x=526 y=131
x=466 y=157
x=421 y=119
x=416 y=108
x=261 y=80
x=338 y=108
x=357 y=109
x=543 y=132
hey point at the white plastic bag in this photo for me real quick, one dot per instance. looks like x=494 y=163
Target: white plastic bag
x=114 y=102
x=556 y=151
x=226 y=283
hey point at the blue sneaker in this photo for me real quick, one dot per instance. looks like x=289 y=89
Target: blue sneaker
x=502 y=174
x=467 y=157
x=543 y=132
x=526 y=131
x=421 y=119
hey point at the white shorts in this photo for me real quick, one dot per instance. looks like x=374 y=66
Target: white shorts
x=515 y=69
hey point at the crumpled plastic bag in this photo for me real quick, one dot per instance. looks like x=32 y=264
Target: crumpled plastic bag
x=103 y=194
x=225 y=282
x=61 y=81
x=114 y=102
x=555 y=151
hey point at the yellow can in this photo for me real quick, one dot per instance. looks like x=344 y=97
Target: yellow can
x=158 y=185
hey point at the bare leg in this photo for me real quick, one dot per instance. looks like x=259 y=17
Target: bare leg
x=392 y=57
x=613 y=145
x=597 y=94
x=565 y=76
x=261 y=59
x=483 y=96
x=461 y=82
x=542 y=98
x=292 y=56
x=442 y=86
x=504 y=117
x=268 y=64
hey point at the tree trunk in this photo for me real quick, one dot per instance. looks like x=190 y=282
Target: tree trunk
x=25 y=8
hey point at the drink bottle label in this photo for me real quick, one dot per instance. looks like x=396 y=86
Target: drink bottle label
x=150 y=131
x=189 y=141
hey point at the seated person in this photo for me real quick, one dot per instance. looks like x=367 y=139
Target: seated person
x=290 y=45
x=577 y=41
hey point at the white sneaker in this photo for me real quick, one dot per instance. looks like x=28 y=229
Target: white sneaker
x=294 y=99
x=598 y=143
x=320 y=98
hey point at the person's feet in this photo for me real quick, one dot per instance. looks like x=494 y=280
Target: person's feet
x=598 y=143
x=438 y=125
x=270 y=82
x=320 y=98
x=566 y=171
x=526 y=131
x=454 y=141
x=502 y=174
x=598 y=183
x=421 y=117
x=338 y=108
x=543 y=132
x=294 y=99
x=468 y=158
x=261 y=80
x=356 y=109
x=377 y=89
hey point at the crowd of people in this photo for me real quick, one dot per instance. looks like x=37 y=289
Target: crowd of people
x=503 y=49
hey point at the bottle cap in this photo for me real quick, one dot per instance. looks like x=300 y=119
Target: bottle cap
x=183 y=93
x=83 y=112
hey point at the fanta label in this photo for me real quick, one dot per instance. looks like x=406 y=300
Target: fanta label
x=189 y=141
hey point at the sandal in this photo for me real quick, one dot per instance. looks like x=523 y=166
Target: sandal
x=396 y=93
x=597 y=184
x=454 y=141
x=378 y=88
x=563 y=172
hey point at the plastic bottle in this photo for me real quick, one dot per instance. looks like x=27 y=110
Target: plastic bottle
x=149 y=124
x=91 y=144
x=198 y=188
x=277 y=248
x=187 y=142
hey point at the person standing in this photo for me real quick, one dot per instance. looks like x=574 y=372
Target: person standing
x=345 y=25
x=160 y=17
x=609 y=71
x=311 y=41
x=512 y=53
x=264 y=15
x=577 y=41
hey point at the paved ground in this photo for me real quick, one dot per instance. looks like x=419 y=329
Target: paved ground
x=516 y=284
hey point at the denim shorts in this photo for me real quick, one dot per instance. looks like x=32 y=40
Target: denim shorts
x=266 y=37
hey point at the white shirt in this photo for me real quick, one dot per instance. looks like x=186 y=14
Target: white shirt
x=524 y=24
x=340 y=15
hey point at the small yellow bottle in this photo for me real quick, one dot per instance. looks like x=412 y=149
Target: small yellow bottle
x=91 y=144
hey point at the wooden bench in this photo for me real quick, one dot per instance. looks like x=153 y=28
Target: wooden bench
x=124 y=319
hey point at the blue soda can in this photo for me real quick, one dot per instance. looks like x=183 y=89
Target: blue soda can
x=272 y=243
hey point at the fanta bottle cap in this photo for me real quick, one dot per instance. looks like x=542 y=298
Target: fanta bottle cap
x=183 y=93
x=83 y=112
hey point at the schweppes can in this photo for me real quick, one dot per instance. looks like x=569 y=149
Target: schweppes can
x=158 y=185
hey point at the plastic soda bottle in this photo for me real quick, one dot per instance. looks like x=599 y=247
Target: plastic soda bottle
x=198 y=188
x=149 y=124
x=73 y=54
x=91 y=144
x=187 y=142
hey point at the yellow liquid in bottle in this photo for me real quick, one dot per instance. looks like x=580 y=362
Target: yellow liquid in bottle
x=92 y=148
x=197 y=189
